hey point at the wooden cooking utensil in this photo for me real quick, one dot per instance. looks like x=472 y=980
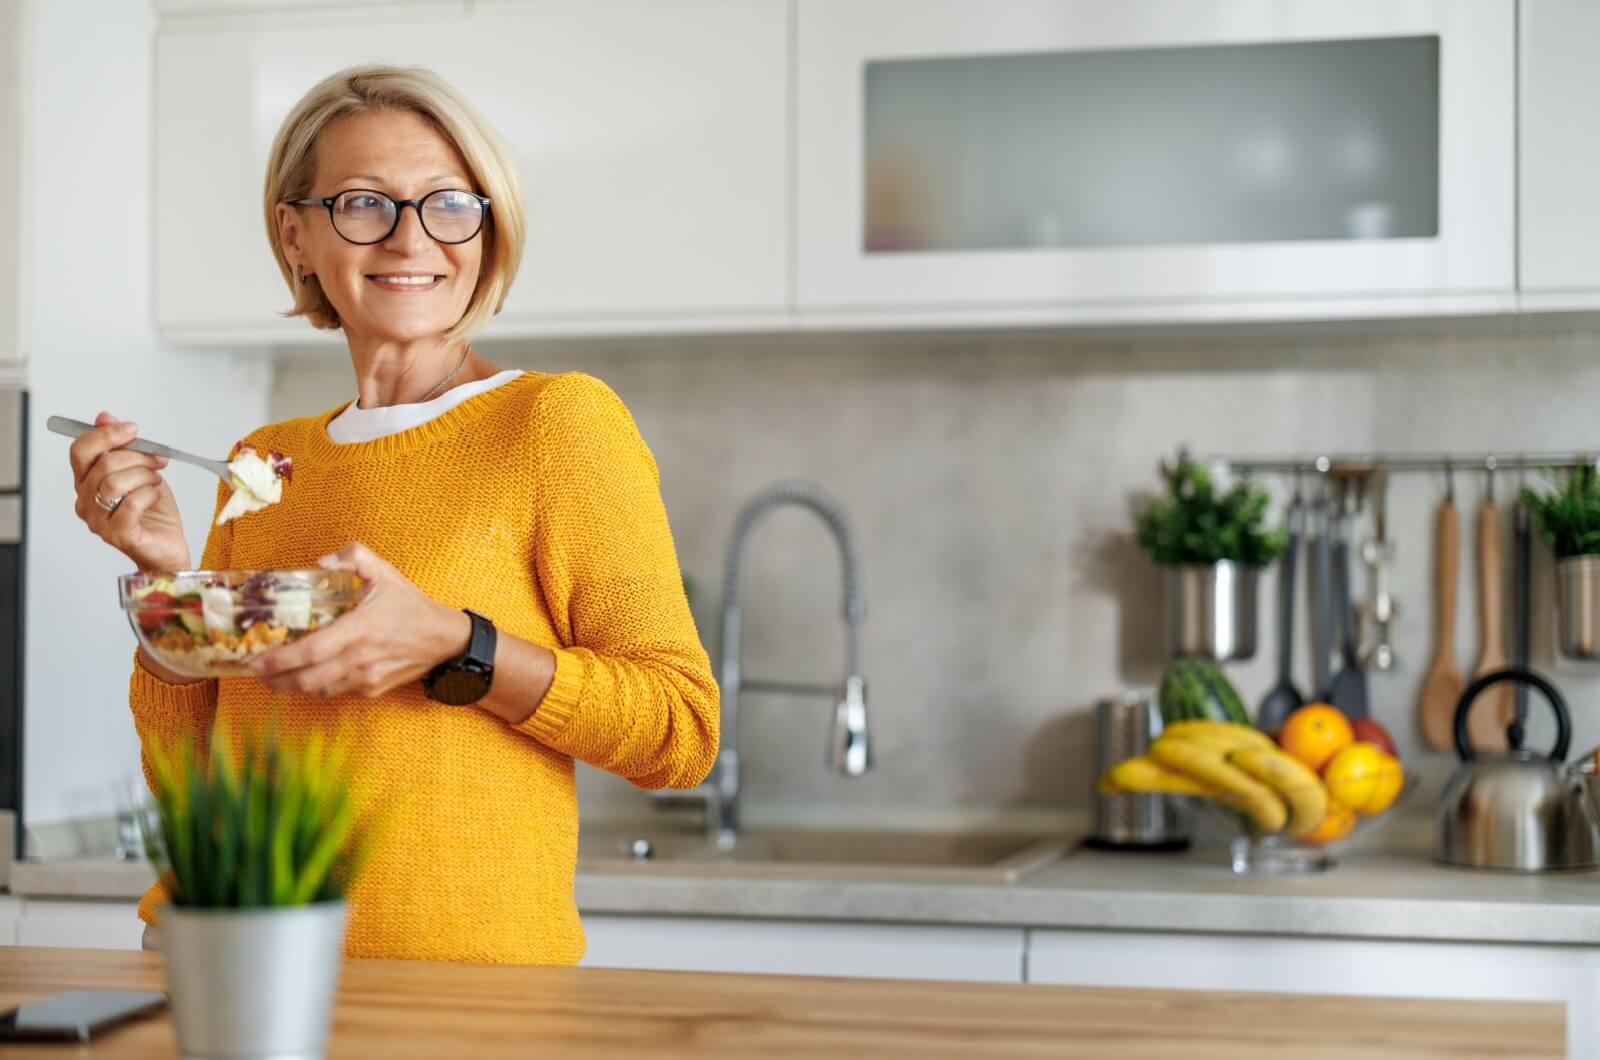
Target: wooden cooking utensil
x=1441 y=690
x=1487 y=723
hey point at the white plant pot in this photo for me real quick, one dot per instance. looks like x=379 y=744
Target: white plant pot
x=253 y=984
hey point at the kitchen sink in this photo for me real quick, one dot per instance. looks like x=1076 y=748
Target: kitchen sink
x=974 y=856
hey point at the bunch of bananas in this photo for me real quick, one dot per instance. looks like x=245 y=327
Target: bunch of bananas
x=1237 y=765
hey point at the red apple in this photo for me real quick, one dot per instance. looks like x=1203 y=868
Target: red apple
x=1368 y=731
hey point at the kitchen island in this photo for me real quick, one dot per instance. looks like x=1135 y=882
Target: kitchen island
x=1387 y=922
x=416 y=1009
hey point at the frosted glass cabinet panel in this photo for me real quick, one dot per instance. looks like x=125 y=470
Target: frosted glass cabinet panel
x=1152 y=159
x=1224 y=144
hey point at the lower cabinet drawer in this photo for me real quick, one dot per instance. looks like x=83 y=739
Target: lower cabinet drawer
x=1338 y=966
x=871 y=951
x=84 y=924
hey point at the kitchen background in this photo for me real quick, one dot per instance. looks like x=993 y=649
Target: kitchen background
x=989 y=481
x=1376 y=231
x=988 y=471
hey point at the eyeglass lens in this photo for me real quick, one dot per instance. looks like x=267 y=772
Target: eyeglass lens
x=449 y=216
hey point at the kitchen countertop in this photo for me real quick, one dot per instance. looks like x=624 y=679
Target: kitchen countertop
x=403 y=1009
x=1391 y=892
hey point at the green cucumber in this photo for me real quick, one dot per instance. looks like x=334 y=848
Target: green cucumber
x=1193 y=688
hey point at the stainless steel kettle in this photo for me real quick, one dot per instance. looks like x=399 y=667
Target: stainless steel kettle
x=1517 y=810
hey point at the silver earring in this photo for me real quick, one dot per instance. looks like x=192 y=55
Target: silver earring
x=300 y=274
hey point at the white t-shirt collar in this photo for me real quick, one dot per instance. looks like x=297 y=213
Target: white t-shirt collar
x=356 y=424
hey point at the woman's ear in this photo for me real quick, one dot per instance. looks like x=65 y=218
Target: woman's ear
x=289 y=237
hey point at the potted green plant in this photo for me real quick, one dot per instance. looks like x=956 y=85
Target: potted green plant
x=257 y=849
x=1568 y=521
x=1211 y=544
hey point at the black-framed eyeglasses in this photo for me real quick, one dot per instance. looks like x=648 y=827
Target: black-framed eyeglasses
x=364 y=216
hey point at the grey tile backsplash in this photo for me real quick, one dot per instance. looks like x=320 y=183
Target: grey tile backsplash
x=989 y=481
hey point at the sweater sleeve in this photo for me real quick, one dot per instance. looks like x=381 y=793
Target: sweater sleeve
x=633 y=691
x=170 y=713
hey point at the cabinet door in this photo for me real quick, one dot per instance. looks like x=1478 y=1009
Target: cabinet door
x=1560 y=177
x=85 y=924
x=1353 y=967
x=652 y=142
x=222 y=90
x=871 y=951
x=253 y=7
x=650 y=139
x=1151 y=158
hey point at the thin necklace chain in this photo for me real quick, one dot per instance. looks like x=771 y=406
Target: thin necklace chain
x=446 y=380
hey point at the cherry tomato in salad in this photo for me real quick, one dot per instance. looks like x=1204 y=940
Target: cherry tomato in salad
x=158 y=608
x=155 y=610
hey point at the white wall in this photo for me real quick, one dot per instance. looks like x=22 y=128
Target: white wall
x=87 y=163
x=10 y=177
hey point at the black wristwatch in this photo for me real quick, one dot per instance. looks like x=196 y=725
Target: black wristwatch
x=466 y=678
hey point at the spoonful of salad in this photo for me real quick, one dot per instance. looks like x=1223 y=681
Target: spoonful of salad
x=257 y=479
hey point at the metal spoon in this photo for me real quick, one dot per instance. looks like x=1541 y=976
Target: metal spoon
x=1348 y=691
x=77 y=429
x=1379 y=554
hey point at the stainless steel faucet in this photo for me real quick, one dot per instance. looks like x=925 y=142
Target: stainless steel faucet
x=848 y=747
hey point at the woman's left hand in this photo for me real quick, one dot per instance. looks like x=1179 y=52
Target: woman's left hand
x=397 y=635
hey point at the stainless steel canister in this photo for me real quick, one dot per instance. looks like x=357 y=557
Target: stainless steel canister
x=1211 y=611
x=1578 y=589
x=1124 y=726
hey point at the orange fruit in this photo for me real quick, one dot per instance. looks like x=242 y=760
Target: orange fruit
x=1391 y=778
x=1352 y=775
x=1315 y=733
x=1336 y=825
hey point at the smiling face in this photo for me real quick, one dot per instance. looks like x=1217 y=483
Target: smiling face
x=406 y=287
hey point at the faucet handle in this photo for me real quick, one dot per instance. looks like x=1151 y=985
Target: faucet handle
x=849 y=750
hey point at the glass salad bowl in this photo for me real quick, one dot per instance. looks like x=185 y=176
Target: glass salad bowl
x=1253 y=850
x=214 y=623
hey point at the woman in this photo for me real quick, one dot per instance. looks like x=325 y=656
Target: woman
x=466 y=497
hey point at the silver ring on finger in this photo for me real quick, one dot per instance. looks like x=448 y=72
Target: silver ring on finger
x=324 y=691
x=108 y=505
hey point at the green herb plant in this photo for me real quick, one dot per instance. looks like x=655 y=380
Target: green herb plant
x=1195 y=526
x=1568 y=519
x=276 y=827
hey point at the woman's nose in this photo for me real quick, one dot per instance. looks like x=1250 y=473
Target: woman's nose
x=408 y=234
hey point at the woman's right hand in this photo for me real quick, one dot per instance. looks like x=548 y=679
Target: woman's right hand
x=144 y=523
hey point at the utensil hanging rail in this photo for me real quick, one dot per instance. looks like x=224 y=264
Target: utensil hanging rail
x=1361 y=464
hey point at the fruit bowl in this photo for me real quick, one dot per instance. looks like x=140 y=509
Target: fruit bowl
x=214 y=623
x=1280 y=804
x=1253 y=850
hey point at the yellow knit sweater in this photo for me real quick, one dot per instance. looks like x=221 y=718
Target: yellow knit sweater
x=538 y=505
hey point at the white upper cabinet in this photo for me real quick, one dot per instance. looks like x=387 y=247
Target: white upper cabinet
x=1560 y=178
x=651 y=140
x=255 y=7
x=653 y=143
x=221 y=92
x=1152 y=159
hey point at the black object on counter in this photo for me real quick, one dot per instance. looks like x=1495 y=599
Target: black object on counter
x=1521 y=602
x=1348 y=690
x=1285 y=698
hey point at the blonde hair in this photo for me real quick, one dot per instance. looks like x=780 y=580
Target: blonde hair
x=292 y=166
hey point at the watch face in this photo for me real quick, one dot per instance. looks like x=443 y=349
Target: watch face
x=458 y=687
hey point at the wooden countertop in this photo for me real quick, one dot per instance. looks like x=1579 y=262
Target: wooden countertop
x=401 y=1010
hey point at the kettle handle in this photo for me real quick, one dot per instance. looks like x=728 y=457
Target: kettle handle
x=1514 y=731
